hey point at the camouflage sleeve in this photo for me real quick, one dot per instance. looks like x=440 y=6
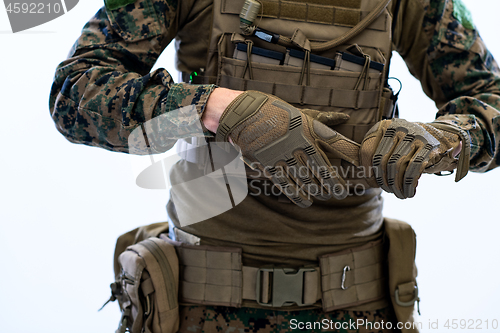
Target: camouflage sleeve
x=105 y=89
x=442 y=48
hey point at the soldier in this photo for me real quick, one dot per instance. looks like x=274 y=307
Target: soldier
x=104 y=91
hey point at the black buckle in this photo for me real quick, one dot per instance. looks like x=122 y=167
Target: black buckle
x=287 y=286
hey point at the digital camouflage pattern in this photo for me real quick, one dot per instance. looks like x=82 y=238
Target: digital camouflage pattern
x=104 y=90
x=197 y=319
x=468 y=77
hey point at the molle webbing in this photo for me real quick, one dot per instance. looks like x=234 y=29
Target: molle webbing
x=333 y=12
x=216 y=276
x=356 y=92
x=365 y=282
x=338 y=3
x=330 y=13
x=210 y=275
x=296 y=94
x=355 y=132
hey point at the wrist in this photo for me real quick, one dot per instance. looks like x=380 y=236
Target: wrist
x=218 y=101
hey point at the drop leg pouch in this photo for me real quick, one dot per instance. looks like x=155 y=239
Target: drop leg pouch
x=147 y=287
x=402 y=271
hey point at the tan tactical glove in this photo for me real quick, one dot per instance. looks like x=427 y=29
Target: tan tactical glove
x=287 y=145
x=396 y=153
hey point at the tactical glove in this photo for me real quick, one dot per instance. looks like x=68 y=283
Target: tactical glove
x=287 y=145
x=396 y=152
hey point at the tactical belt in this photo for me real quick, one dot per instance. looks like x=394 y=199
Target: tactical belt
x=215 y=276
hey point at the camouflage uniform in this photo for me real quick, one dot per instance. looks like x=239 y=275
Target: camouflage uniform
x=105 y=90
x=225 y=319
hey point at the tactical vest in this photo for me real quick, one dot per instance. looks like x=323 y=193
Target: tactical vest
x=300 y=75
x=354 y=82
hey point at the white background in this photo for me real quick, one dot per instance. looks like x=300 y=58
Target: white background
x=63 y=205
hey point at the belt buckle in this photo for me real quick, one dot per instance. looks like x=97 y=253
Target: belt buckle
x=287 y=286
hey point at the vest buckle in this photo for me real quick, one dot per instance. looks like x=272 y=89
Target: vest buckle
x=286 y=286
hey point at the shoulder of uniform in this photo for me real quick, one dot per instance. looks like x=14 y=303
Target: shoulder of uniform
x=115 y=4
x=139 y=19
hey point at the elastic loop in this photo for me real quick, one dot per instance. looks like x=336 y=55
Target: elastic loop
x=306 y=65
x=248 y=64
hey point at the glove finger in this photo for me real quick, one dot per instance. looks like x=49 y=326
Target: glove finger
x=329 y=118
x=310 y=112
x=329 y=178
x=312 y=184
x=332 y=118
x=415 y=170
x=288 y=187
x=304 y=179
x=397 y=163
x=328 y=141
x=384 y=150
x=311 y=178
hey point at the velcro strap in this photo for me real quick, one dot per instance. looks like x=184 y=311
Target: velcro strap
x=312 y=286
x=249 y=282
x=464 y=158
x=353 y=277
x=241 y=108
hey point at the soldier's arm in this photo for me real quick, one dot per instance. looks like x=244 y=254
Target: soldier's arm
x=105 y=90
x=444 y=51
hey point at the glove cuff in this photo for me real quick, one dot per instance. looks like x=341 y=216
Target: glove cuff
x=464 y=157
x=240 y=109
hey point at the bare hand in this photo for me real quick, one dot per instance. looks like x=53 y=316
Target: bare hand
x=218 y=101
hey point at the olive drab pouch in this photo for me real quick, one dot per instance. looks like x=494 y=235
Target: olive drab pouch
x=330 y=56
x=147 y=287
x=336 y=57
x=133 y=237
x=402 y=271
